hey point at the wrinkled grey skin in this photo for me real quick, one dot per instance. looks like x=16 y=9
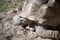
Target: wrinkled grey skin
x=42 y=32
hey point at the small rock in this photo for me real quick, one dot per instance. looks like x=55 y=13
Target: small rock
x=31 y=35
x=2 y=38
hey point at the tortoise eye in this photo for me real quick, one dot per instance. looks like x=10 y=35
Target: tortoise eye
x=20 y=16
